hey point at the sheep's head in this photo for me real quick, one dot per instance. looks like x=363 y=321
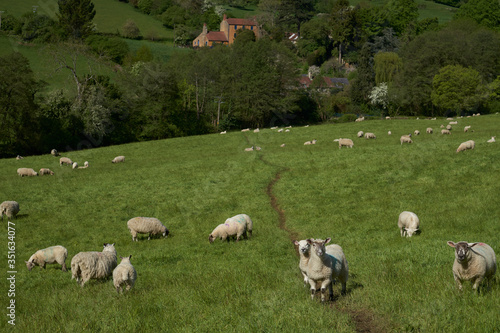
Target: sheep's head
x=165 y=232
x=318 y=245
x=303 y=246
x=211 y=238
x=462 y=253
x=410 y=231
x=30 y=264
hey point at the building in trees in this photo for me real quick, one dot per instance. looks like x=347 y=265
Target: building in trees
x=227 y=33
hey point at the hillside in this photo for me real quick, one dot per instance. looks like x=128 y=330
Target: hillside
x=193 y=184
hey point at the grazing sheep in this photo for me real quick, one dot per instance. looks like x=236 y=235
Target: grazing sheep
x=304 y=249
x=280 y=130
x=65 y=160
x=473 y=262
x=118 y=159
x=93 y=265
x=340 y=266
x=360 y=119
x=249 y=149
x=442 y=126
x=466 y=128
x=453 y=123
x=448 y=127
x=85 y=165
x=492 y=139
x=28 y=172
x=370 y=136
x=434 y=118
x=124 y=274
x=408 y=223
x=287 y=130
x=9 y=208
x=282 y=145
x=313 y=142
x=429 y=130
x=54 y=152
x=245 y=130
x=50 y=255
x=387 y=118
x=258 y=148
x=449 y=118
x=389 y=133
x=417 y=132
x=256 y=130
x=224 y=132
x=44 y=171
x=320 y=268
x=274 y=127
x=466 y=145
x=235 y=226
x=146 y=225
x=75 y=165
x=19 y=157
x=289 y=126
x=345 y=142
x=360 y=134
x=405 y=139
x=445 y=131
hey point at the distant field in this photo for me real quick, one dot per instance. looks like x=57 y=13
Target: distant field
x=161 y=50
x=194 y=183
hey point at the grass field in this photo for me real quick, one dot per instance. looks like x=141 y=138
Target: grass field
x=192 y=184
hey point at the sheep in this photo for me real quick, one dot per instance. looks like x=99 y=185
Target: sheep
x=387 y=118
x=224 y=132
x=389 y=133
x=245 y=130
x=75 y=165
x=287 y=130
x=65 y=160
x=274 y=127
x=405 y=139
x=249 y=149
x=19 y=157
x=146 y=225
x=360 y=119
x=313 y=142
x=256 y=130
x=492 y=139
x=429 y=130
x=448 y=127
x=466 y=128
x=340 y=266
x=9 y=208
x=282 y=145
x=258 y=148
x=280 y=130
x=45 y=171
x=345 y=142
x=93 y=265
x=304 y=249
x=466 y=145
x=473 y=262
x=235 y=226
x=360 y=134
x=118 y=159
x=320 y=268
x=85 y=165
x=449 y=118
x=370 y=136
x=453 y=123
x=54 y=152
x=445 y=131
x=50 y=255
x=26 y=172
x=289 y=126
x=408 y=223
x=417 y=132
x=434 y=118
x=124 y=274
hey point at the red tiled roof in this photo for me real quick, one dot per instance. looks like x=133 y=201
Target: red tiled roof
x=217 y=36
x=238 y=21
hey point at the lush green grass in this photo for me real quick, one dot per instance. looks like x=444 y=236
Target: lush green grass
x=160 y=50
x=192 y=184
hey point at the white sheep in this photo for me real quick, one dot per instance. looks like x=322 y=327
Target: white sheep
x=54 y=152
x=274 y=127
x=453 y=123
x=258 y=148
x=249 y=149
x=492 y=139
x=282 y=145
x=429 y=130
x=85 y=165
x=256 y=130
x=466 y=128
x=313 y=142
x=75 y=165
x=448 y=127
x=50 y=255
x=124 y=274
x=9 y=209
x=466 y=145
x=28 y=172
x=449 y=118
x=93 y=265
x=45 y=171
x=245 y=130
x=389 y=133
x=340 y=266
x=474 y=262
x=65 y=160
x=445 y=131
x=320 y=268
x=234 y=227
x=287 y=130
x=224 y=132
x=344 y=142
x=360 y=119
x=118 y=159
x=442 y=126
x=280 y=130
x=405 y=139
x=408 y=223
x=304 y=249
x=19 y=157
x=146 y=225
x=387 y=118
x=360 y=134
x=417 y=132
x=370 y=136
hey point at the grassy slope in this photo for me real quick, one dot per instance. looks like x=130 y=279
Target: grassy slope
x=192 y=184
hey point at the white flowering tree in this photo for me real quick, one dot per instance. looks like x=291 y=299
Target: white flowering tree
x=379 y=95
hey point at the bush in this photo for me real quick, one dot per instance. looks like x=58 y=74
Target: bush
x=114 y=48
x=130 y=30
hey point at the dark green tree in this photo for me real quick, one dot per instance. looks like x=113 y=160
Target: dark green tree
x=75 y=17
x=400 y=13
x=484 y=12
x=345 y=27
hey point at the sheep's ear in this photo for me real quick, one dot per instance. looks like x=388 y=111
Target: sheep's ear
x=309 y=241
x=327 y=240
x=105 y=244
x=27 y=262
x=130 y=256
x=113 y=244
x=473 y=244
x=450 y=243
x=121 y=257
x=295 y=242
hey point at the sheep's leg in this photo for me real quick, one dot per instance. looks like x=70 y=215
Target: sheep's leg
x=344 y=288
x=149 y=236
x=458 y=282
x=64 y=269
x=306 y=279
x=327 y=283
x=477 y=283
x=312 y=283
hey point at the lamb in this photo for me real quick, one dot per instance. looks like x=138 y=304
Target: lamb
x=54 y=152
x=492 y=139
x=28 y=172
x=19 y=157
x=313 y=142
x=146 y=225
x=405 y=139
x=428 y=130
x=9 y=208
x=445 y=131
x=93 y=265
x=417 y=132
x=466 y=128
x=408 y=223
x=235 y=226
x=340 y=266
x=370 y=136
x=65 y=160
x=345 y=142
x=124 y=274
x=466 y=145
x=249 y=149
x=118 y=159
x=360 y=134
x=304 y=249
x=274 y=127
x=85 y=165
x=75 y=165
x=44 y=171
x=474 y=262
x=50 y=255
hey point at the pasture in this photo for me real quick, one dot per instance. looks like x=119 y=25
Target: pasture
x=192 y=184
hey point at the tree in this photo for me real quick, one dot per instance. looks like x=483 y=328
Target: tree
x=130 y=30
x=400 y=13
x=456 y=88
x=75 y=16
x=344 y=25
x=484 y=12
x=386 y=65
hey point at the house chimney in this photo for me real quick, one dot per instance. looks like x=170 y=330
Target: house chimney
x=205 y=28
x=225 y=18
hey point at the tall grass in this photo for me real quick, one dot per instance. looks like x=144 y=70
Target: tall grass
x=192 y=184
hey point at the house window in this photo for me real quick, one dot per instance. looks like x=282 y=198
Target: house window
x=206 y=43
x=251 y=27
x=243 y=27
x=235 y=27
x=235 y=35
